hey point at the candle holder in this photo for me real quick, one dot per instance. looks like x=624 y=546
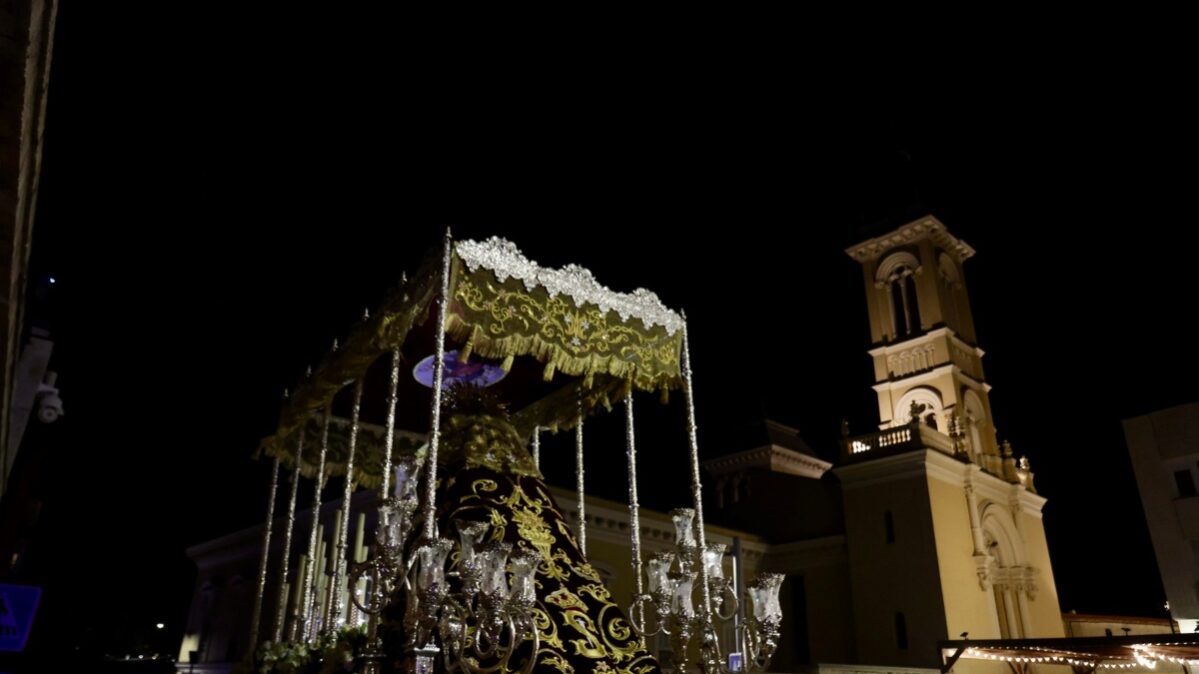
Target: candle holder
x=672 y=583
x=386 y=570
x=483 y=623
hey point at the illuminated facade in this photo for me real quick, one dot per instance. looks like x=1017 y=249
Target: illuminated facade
x=932 y=499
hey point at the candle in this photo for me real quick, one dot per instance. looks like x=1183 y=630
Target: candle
x=359 y=554
x=319 y=567
x=325 y=587
x=336 y=540
x=320 y=562
x=301 y=574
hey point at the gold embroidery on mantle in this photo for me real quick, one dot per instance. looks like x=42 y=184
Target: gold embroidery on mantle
x=564 y=598
x=580 y=628
x=590 y=645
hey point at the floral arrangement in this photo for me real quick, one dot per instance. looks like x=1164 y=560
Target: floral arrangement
x=331 y=653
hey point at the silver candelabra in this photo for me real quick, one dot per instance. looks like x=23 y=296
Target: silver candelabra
x=669 y=607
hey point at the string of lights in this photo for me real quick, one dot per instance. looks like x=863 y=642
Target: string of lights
x=1144 y=658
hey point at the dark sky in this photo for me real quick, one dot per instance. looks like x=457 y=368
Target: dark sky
x=222 y=196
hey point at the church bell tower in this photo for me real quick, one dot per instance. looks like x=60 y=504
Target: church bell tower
x=926 y=359
x=943 y=526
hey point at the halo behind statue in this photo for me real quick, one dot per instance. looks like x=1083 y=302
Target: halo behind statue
x=471 y=370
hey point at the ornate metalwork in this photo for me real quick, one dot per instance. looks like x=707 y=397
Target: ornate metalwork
x=634 y=506
x=477 y=629
x=380 y=586
x=672 y=576
x=696 y=488
x=480 y=627
x=670 y=601
x=537 y=447
x=307 y=614
x=489 y=620
x=336 y=601
x=581 y=522
x=260 y=588
x=285 y=562
x=443 y=301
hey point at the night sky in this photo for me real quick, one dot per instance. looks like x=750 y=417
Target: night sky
x=222 y=196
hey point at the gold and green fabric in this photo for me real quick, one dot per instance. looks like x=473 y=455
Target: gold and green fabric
x=368 y=453
x=502 y=318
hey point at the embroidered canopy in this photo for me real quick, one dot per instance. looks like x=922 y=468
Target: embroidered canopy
x=565 y=339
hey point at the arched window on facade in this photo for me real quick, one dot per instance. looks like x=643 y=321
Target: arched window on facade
x=897 y=276
x=928 y=407
x=1006 y=548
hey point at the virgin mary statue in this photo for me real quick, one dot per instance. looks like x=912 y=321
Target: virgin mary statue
x=491 y=493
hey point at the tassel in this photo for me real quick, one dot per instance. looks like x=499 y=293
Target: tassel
x=548 y=375
x=468 y=348
x=507 y=364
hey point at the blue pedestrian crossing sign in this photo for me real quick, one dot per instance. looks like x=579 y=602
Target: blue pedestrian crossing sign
x=18 y=605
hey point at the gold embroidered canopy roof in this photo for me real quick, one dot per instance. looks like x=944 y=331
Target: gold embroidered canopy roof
x=504 y=307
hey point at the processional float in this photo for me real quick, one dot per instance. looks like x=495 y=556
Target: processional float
x=474 y=567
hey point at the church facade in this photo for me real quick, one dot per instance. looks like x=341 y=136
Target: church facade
x=932 y=497
x=928 y=528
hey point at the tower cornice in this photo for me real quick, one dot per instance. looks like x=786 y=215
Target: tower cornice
x=924 y=338
x=909 y=380
x=927 y=227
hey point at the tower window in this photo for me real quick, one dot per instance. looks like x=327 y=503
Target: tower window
x=901 y=631
x=909 y=291
x=905 y=307
x=896 y=276
x=889 y=526
x=1185 y=482
x=899 y=322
